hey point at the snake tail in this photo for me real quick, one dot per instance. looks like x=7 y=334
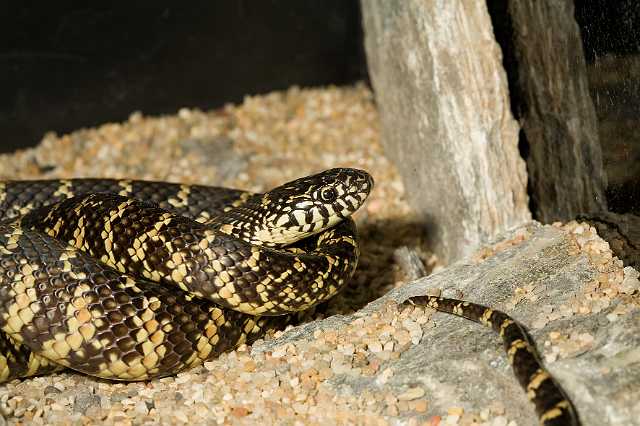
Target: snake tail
x=553 y=406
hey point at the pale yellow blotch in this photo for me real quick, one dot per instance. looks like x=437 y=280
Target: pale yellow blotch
x=203 y=244
x=203 y=217
x=154 y=303
x=224 y=293
x=74 y=341
x=177 y=276
x=141 y=335
x=26 y=316
x=150 y=360
x=458 y=310
x=127 y=187
x=147 y=317
x=161 y=351
x=88 y=331
x=147 y=348
x=216 y=313
x=117 y=367
x=22 y=300
x=226 y=229
x=137 y=370
x=157 y=338
x=140 y=254
x=555 y=411
x=486 y=316
x=217 y=266
x=538 y=378
x=504 y=326
x=515 y=347
x=204 y=350
x=64 y=190
x=226 y=278
x=61 y=348
x=298 y=265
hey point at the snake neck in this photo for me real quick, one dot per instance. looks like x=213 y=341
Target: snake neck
x=248 y=224
x=255 y=224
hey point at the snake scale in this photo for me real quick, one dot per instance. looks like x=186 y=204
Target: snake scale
x=89 y=270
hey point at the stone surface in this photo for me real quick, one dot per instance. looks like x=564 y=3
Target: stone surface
x=622 y=231
x=446 y=121
x=558 y=117
x=562 y=284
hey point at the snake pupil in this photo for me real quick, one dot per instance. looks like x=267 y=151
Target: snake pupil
x=329 y=195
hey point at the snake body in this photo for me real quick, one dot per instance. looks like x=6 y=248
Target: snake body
x=89 y=270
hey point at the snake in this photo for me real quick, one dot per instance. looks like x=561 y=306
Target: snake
x=135 y=280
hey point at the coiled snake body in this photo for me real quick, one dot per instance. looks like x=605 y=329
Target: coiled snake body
x=88 y=270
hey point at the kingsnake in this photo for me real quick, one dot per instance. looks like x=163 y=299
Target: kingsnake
x=88 y=269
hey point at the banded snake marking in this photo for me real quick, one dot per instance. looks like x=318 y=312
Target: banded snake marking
x=88 y=269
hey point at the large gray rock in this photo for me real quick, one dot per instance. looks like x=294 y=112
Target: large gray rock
x=446 y=121
x=579 y=304
x=558 y=117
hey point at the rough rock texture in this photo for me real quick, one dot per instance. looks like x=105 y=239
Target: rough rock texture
x=558 y=117
x=562 y=283
x=446 y=122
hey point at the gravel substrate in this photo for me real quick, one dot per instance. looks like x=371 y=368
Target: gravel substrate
x=255 y=146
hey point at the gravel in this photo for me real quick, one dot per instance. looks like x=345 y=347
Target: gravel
x=257 y=145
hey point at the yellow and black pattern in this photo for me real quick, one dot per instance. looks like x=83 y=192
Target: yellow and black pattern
x=553 y=406
x=89 y=269
x=76 y=312
x=135 y=237
x=98 y=297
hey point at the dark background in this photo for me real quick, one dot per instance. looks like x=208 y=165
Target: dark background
x=71 y=64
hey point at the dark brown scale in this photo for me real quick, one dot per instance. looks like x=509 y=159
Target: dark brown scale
x=120 y=329
x=16 y=357
x=39 y=193
x=231 y=253
x=549 y=396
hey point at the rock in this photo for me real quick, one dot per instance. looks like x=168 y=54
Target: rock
x=446 y=121
x=84 y=399
x=458 y=363
x=51 y=390
x=621 y=231
x=557 y=114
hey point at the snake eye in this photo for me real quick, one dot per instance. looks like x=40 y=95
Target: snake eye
x=328 y=195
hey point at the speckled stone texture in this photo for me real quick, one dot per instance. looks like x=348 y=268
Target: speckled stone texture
x=579 y=304
x=445 y=118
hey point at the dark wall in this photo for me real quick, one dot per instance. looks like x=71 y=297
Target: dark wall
x=71 y=64
x=609 y=27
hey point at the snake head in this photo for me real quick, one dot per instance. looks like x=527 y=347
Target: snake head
x=297 y=209
x=311 y=204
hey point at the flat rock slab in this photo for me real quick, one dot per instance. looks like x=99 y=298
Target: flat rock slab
x=579 y=304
